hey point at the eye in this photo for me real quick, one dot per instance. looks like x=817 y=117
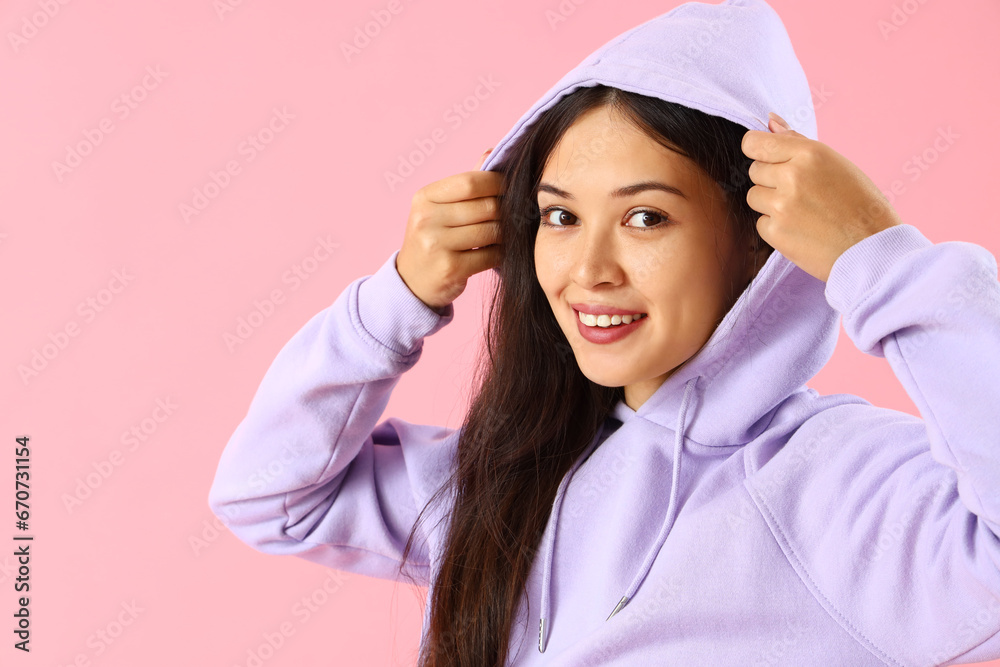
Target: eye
x=552 y=216
x=647 y=223
x=550 y=220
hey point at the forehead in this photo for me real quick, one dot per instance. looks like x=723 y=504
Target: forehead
x=602 y=151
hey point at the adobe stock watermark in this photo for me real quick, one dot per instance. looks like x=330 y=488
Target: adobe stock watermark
x=982 y=620
x=777 y=648
x=34 y=22
x=295 y=276
x=209 y=531
x=771 y=479
x=973 y=285
x=212 y=529
x=739 y=181
x=88 y=310
x=891 y=534
x=656 y=599
x=745 y=516
x=920 y=163
x=876 y=209
x=259 y=480
x=108 y=634
x=610 y=472
x=446 y=643
x=365 y=35
x=248 y=150
x=900 y=16
x=121 y=107
x=302 y=610
x=136 y=436
x=224 y=7
x=562 y=12
x=454 y=116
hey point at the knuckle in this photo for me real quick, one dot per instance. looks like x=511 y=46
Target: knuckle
x=419 y=217
x=490 y=207
x=466 y=184
x=430 y=244
x=813 y=153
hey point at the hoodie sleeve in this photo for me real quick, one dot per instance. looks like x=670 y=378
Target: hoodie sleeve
x=892 y=521
x=308 y=472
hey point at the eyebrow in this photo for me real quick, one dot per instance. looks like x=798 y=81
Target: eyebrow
x=626 y=191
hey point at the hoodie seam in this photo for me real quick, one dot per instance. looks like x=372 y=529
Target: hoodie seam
x=370 y=340
x=800 y=567
x=740 y=344
x=930 y=412
x=645 y=25
x=651 y=92
x=336 y=438
x=284 y=509
x=871 y=293
x=353 y=547
x=972 y=648
x=326 y=466
x=883 y=271
x=315 y=482
x=687 y=435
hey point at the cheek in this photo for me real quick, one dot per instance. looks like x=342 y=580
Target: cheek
x=547 y=267
x=678 y=280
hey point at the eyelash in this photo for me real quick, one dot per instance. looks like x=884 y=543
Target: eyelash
x=544 y=213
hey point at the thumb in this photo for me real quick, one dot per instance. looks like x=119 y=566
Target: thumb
x=482 y=159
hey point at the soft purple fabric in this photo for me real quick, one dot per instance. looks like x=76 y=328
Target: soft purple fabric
x=747 y=519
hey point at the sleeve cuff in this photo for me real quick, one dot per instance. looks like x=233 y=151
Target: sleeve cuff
x=864 y=264
x=393 y=315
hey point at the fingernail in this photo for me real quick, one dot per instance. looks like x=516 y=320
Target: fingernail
x=780 y=120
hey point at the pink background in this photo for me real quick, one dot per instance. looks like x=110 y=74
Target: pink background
x=144 y=535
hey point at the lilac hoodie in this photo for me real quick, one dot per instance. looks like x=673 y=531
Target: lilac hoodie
x=738 y=517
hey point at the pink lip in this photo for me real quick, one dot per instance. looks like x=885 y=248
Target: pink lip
x=611 y=334
x=601 y=310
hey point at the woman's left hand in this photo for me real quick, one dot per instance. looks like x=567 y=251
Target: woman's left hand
x=815 y=202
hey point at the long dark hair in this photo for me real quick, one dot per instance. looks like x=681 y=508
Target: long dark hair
x=534 y=411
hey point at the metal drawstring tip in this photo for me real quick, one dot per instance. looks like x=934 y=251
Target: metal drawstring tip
x=541 y=635
x=621 y=603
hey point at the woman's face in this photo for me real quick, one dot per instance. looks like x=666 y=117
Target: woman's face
x=669 y=256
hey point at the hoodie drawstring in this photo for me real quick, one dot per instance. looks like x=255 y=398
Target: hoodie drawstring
x=668 y=520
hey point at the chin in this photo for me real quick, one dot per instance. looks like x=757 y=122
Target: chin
x=604 y=377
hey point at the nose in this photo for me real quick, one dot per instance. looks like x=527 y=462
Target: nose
x=596 y=257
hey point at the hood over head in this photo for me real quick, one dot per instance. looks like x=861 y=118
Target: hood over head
x=735 y=60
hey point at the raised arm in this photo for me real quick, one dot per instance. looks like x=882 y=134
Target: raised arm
x=892 y=521
x=308 y=471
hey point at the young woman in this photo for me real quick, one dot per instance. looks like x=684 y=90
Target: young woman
x=643 y=476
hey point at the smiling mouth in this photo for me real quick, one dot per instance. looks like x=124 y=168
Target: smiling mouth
x=607 y=321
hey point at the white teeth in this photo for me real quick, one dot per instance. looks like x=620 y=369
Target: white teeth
x=605 y=321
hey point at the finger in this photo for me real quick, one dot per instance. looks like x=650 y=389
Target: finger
x=764 y=173
x=468 y=212
x=761 y=199
x=778 y=123
x=768 y=146
x=480 y=259
x=764 y=228
x=478 y=235
x=464 y=186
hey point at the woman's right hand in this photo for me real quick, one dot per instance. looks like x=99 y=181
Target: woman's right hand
x=451 y=234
